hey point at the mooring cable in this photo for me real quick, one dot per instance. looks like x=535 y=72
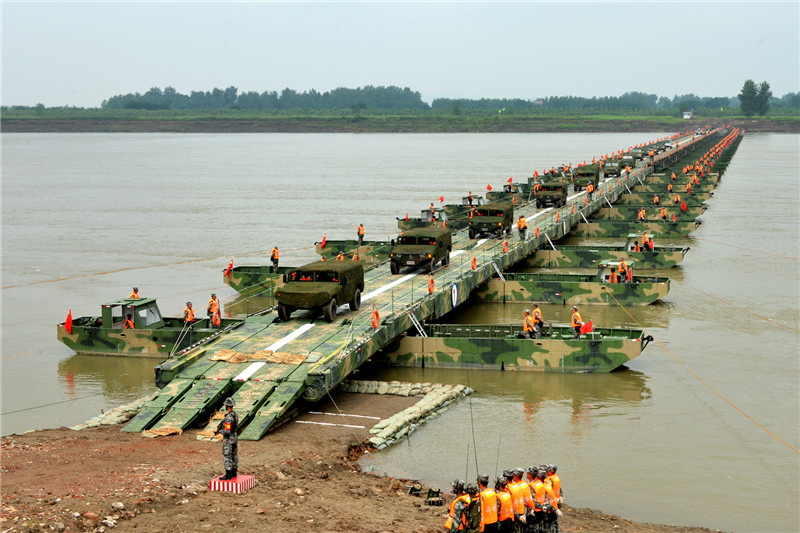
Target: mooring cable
x=712 y=389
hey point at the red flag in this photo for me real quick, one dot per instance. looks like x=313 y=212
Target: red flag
x=683 y=206
x=406 y=215
x=573 y=209
x=68 y=322
x=630 y=274
x=535 y=173
x=674 y=218
x=441 y=199
x=509 y=179
x=228 y=270
x=586 y=328
x=488 y=187
x=325 y=237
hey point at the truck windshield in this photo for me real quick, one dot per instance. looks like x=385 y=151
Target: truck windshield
x=299 y=275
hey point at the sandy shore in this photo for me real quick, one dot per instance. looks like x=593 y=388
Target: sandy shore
x=308 y=479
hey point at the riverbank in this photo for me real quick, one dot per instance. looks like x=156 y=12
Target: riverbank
x=410 y=124
x=308 y=475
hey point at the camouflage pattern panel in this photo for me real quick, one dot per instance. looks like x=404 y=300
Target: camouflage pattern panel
x=589 y=256
x=559 y=352
x=277 y=403
x=677 y=188
x=616 y=228
x=247 y=278
x=652 y=211
x=140 y=342
x=537 y=288
x=644 y=198
x=680 y=177
x=370 y=253
x=159 y=405
x=198 y=400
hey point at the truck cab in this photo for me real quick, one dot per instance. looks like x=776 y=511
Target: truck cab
x=422 y=247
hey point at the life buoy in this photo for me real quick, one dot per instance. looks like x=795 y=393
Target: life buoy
x=474 y=263
x=376 y=319
x=431 y=285
x=505 y=247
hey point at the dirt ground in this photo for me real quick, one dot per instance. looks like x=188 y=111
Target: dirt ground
x=308 y=479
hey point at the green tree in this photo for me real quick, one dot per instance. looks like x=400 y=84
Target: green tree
x=358 y=107
x=748 y=98
x=762 y=98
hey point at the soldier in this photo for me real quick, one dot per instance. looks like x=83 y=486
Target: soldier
x=623 y=266
x=522 y=227
x=545 y=502
x=505 y=517
x=214 y=311
x=135 y=294
x=469 y=198
x=188 y=314
x=576 y=322
x=340 y=257
x=555 y=482
x=230 y=440
x=457 y=506
x=589 y=191
x=612 y=278
x=641 y=216
x=537 y=320
x=490 y=505
x=528 y=325
x=274 y=256
x=656 y=200
x=663 y=213
x=360 y=234
x=129 y=322
x=520 y=495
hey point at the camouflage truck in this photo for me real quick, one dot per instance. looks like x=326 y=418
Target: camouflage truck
x=422 y=247
x=612 y=167
x=491 y=218
x=502 y=347
x=152 y=335
x=321 y=285
x=574 y=289
x=553 y=193
x=589 y=256
x=586 y=174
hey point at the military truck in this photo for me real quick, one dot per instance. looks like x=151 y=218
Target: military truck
x=586 y=174
x=612 y=168
x=321 y=285
x=491 y=218
x=422 y=246
x=553 y=193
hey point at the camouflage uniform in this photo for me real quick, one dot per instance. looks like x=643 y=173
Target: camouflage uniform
x=230 y=440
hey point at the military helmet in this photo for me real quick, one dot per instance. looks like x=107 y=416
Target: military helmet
x=458 y=486
x=472 y=489
x=507 y=474
x=484 y=479
x=519 y=472
x=574 y=308
x=553 y=468
x=533 y=470
x=188 y=303
x=229 y=402
x=502 y=481
x=541 y=474
x=527 y=311
x=136 y=288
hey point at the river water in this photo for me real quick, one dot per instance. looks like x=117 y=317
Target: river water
x=87 y=216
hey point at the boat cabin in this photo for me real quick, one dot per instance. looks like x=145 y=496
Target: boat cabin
x=144 y=311
x=605 y=270
x=476 y=201
x=633 y=238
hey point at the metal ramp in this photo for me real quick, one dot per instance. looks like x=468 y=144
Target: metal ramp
x=276 y=405
x=198 y=400
x=159 y=405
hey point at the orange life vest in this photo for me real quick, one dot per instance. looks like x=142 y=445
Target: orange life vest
x=520 y=494
x=189 y=314
x=134 y=295
x=488 y=507
x=537 y=315
x=506 y=507
x=612 y=278
x=576 y=319
x=555 y=482
x=129 y=324
x=451 y=515
x=527 y=324
x=275 y=255
x=361 y=230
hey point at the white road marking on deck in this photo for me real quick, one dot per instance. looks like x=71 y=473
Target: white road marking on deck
x=328 y=424
x=250 y=370
x=387 y=287
x=343 y=414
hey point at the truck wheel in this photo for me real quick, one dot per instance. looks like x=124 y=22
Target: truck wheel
x=429 y=265
x=393 y=268
x=284 y=312
x=356 y=303
x=446 y=260
x=471 y=233
x=329 y=310
x=500 y=233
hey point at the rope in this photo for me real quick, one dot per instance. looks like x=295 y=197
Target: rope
x=51 y=404
x=712 y=389
x=673 y=280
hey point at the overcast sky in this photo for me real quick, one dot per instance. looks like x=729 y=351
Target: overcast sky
x=80 y=54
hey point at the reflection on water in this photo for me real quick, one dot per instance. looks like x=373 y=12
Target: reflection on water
x=118 y=378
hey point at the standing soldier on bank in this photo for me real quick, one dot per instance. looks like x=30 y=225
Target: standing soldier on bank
x=505 y=517
x=360 y=234
x=230 y=440
x=274 y=256
x=457 y=507
x=490 y=506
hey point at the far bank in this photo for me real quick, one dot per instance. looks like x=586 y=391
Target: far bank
x=408 y=124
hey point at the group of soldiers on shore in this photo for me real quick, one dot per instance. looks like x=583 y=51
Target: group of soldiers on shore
x=520 y=502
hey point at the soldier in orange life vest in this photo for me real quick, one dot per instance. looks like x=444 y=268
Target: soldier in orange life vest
x=555 y=482
x=641 y=216
x=135 y=294
x=521 y=499
x=469 y=198
x=522 y=227
x=274 y=256
x=538 y=322
x=612 y=278
x=589 y=190
x=656 y=200
x=663 y=213
x=457 y=507
x=360 y=234
x=528 y=325
x=505 y=517
x=213 y=311
x=340 y=257
x=188 y=314
x=490 y=506
x=576 y=322
x=129 y=322
x=544 y=500
x=669 y=187
x=677 y=199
